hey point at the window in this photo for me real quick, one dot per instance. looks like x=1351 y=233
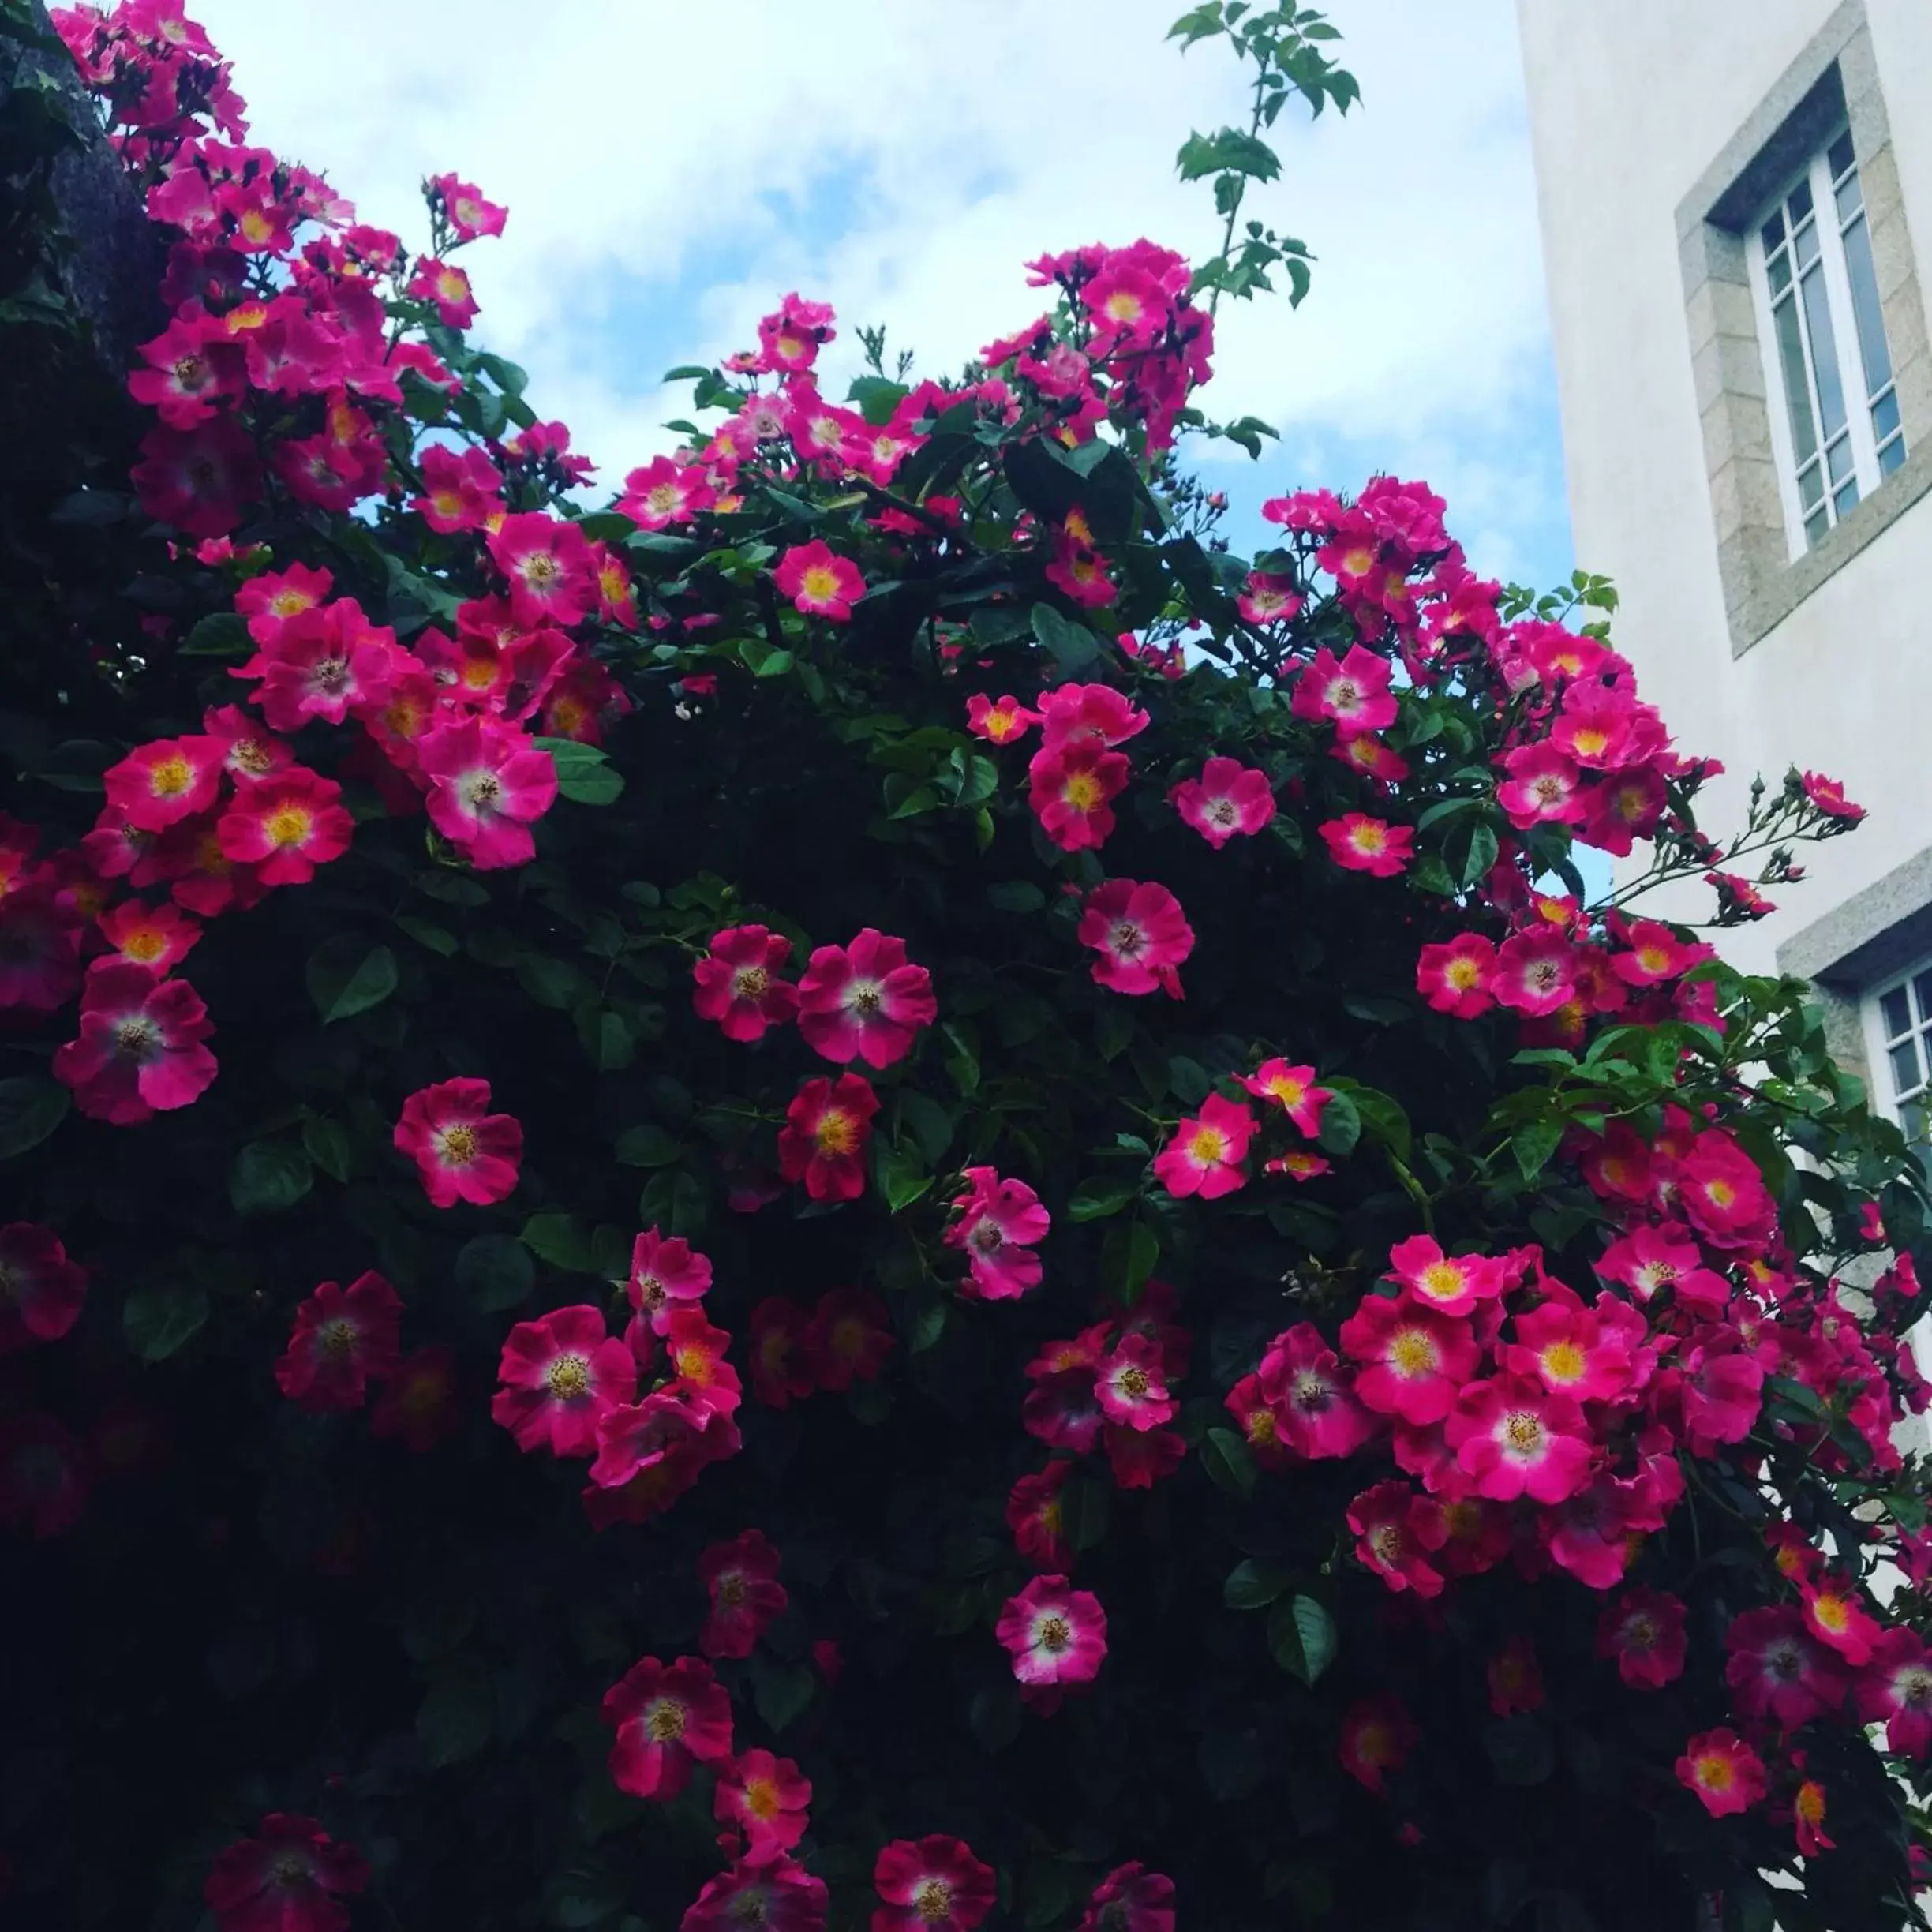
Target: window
x=1839 y=433
x=1898 y=1024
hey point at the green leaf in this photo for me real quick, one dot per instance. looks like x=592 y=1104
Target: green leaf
x=224 y=634
x=994 y=1718
x=269 y=1177
x=1382 y=1115
x=1072 y=646
x=1471 y=850
x=496 y=1270
x=876 y=397
x=159 y=1321
x=30 y=1108
x=329 y=1144
x=1521 y=1750
x=1534 y=1144
x=781 y=1692
x=561 y=1239
x=1189 y=1080
x=1093 y=1201
x=1253 y=1585
x=1302 y=1636
x=584 y=772
x=929 y=1123
x=457 y=1713
x=1230 y=151
x=648 y=1146
x=1015 y=896
x=904 y=1179
x=346 y=977
x=552 y=982
x=425 y=932
x=1225 y=1456
x=1341 y=1125
x=1086 y=1508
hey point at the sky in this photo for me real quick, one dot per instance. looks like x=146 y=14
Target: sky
x=671 y=170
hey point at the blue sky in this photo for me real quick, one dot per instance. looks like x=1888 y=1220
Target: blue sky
x=670 y=172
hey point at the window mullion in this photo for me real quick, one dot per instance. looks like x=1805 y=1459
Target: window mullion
x=1844 y=331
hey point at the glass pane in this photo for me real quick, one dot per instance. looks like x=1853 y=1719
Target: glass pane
x=1871 y=332
x=1797 y=390
x=1842 y=156
x=1884 y=415
x=1905 y=1058
x=1816 y=526
x=1922 y=988
x=1850 y=201
x=1772 y=232
x=1811 y=485
x=1805 y=244
x=1799 y=202
x=1912 y=1118
x=1824 y=352
x=1897 y=1013
x=1778 y=268
x=1840 y=460
x=1891 y=455
x=1846 y=501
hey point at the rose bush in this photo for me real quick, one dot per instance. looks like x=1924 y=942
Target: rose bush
x=1014 y=1252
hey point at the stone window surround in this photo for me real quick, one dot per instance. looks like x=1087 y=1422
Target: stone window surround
x=1869 y=939
x=1835 y=79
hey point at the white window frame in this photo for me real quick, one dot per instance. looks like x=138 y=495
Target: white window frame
x=1880 y=1040
x=1866 y=468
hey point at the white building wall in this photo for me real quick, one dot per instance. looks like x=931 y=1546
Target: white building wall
x=1631 y=103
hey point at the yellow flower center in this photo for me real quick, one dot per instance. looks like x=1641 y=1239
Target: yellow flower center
x=1563 y=1361
x=731 y=1591
x=1442 y=1281
x=1523 y=1432
x=1412 y=1352
x=1714 y=1773
x=1053 y=1634
x=836 y=1133
x=933 y=1901
x=1832 y=1611
x=290 y=603
x=336 y=1338
x=1082 y=791
x=170 y=777
x=666 y=1724
x=761 y=1799
x=1385 y=1540
x=568 y=1378
x=457 y=1146
x=145 y=944
x=820 y=583
x=290 y=826
x=135 y=1038
x=1134 y=1382
x=1207 y=1145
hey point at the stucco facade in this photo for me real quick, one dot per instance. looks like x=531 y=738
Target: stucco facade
x=1661 y=130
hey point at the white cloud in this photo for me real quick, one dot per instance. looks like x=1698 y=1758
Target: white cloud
x=636 y=139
